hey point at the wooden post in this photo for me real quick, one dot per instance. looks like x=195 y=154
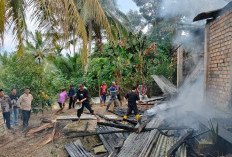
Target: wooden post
x=206 y=56
x=180 y=66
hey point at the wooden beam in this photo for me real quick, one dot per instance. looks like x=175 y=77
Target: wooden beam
x=175 y=147
x=206 y=60
x=120 y=126
x=180 y=66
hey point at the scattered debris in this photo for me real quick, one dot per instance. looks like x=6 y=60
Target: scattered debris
x=36 y=130
x=75 y=118
x=175 y=147
x=99 y=149
x=165 y=85
x=48 y=138
x=76 y=149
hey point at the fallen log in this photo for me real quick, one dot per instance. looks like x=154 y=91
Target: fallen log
x=43 y=127
x=175 y=147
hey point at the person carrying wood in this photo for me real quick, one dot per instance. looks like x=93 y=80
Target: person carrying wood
x=83 y=97
x=113 y=96
x=132 y=97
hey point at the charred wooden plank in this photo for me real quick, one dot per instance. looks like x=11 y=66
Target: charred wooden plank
x=108 y=119
x=120 y=126
x=98 y=133
x=76 y=149
x=130 y=121
x=175 y=147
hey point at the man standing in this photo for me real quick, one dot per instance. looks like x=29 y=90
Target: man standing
x=132 y=97
x=82 y=97
x=113 y=96
x=142 y=89
x=103 y=92
x=118 y=93
x=14 y=112
x=71 y=94
x=5 y=104
x=24 y=103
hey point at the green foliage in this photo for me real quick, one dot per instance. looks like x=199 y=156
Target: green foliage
x=214 y=132
x=21 y=72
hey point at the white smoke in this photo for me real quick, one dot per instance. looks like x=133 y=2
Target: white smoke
x=186 y=10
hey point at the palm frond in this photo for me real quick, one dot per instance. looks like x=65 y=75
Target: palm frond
x=17 y=21
x=93 y=10
x=2 y=20
x=117 y=26
x=63 y=15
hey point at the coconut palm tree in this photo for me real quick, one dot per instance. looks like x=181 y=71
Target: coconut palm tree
x=98 y=15
x=68 y=17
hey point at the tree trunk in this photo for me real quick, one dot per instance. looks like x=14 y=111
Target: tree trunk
x=89 y=46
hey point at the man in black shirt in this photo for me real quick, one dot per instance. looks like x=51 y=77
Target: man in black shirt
x=14 y=110
x=82 y=97
x=71 y=94
x=132 y=97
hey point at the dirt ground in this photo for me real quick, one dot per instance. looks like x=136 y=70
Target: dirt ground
x=16 y=144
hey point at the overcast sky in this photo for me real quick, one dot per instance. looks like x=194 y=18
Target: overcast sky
x=9 y=44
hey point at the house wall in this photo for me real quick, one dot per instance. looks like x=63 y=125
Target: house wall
x=218 y=60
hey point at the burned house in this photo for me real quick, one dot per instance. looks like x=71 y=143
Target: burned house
x=218 y=56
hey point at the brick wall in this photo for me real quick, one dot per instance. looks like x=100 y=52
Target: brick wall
x=219 y=61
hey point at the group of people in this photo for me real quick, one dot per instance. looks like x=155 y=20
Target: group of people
x=11 y=104
x=81 y=96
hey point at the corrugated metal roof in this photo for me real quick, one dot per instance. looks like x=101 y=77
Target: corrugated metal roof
x=213 y=14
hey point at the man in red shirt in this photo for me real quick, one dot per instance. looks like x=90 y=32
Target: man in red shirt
x=103 y=92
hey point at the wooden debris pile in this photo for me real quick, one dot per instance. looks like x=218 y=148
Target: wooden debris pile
x=50 y=130
x=76 y=149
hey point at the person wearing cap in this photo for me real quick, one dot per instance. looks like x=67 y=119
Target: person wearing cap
x=5 y=102
x=132 y=97
x=113 y=96
x=24 y=103
x=71 y=94
x=14 y=108
x=83 y=97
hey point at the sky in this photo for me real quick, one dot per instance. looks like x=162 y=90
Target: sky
x=126 y=5
x=10 y=43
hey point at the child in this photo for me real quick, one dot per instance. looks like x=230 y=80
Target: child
x=132 y=97
x=61 y=100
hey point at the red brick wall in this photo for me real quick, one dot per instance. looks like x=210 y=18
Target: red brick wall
x=219 y=61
